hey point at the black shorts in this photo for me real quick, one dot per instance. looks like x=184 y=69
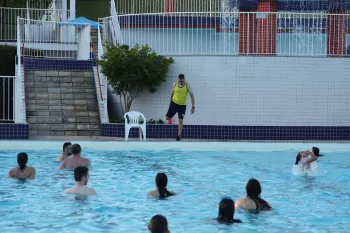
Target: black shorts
x=175 y=108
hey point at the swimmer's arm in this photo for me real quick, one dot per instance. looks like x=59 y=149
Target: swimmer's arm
x=63 y=165
x=32 y=176
x=59 y=158
x=92 y=192
x=10 y=175
x=314 y=158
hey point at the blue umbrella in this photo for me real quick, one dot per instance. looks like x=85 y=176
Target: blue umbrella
x=81 y=21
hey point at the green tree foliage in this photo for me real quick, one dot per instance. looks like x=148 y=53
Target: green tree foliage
x=132 y=70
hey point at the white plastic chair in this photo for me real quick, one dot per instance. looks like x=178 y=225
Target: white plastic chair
x=134 y=123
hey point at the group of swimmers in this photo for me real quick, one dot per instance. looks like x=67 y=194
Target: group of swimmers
x=71 y=160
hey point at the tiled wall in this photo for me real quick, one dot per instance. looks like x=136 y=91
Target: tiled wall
x=234 y=132
x=14 y=131
x=54 y=64
x=257 y=91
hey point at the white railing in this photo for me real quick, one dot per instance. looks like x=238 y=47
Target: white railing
x=7 y=90
x=8 y=19
x=19 y=97
x=167 y=6
x=51 y=39
x=235 y=33
x=101 y=83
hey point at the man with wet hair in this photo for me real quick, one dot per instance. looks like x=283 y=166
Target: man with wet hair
x=67 y=151
x=75 y=161
x=81 y=176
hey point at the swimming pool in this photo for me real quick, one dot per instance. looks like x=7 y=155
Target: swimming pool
x=123 y=172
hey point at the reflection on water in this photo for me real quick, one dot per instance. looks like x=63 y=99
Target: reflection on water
x=122 y=180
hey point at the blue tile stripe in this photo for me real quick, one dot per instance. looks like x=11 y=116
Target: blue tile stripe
x=14 y=131
x=56 y=64
x=235 y=132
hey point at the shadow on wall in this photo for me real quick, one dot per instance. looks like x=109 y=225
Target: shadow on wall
x=113 y=102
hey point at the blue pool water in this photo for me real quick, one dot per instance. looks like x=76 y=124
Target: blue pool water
x=122 y=174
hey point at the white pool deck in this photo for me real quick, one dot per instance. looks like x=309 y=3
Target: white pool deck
x=108 y=143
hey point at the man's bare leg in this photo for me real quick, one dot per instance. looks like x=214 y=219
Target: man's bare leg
x=180 y=127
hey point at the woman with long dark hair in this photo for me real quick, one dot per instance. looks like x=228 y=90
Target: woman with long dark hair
x=158 y=224
x=227 y=211
x=253 y=201
x=161 y=183
x=22 y=171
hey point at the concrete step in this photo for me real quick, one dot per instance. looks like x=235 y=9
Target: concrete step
x=63 y=113
x=64 y=126
x=58 y=105
x=60 y=85
x=32 y=78
x=64 y=133
x=61 y=90
x=55 y=73
x=90 y=98
x=57 y=120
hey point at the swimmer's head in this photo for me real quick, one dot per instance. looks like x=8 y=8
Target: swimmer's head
x=67 y=148
x=22 y=159
x=81 y=174
x=161 y=180
x=253 y=188
x=76 y=149
x=316 y=151
x=158 y=224
x=226 y=210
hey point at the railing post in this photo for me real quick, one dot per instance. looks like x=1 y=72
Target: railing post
x=18 y=79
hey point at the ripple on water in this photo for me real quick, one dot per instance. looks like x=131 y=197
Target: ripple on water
x=301 y=203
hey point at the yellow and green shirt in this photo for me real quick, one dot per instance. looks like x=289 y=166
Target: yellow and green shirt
x=180 y=93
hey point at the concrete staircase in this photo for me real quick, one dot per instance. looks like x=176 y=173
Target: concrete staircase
x=61 y=103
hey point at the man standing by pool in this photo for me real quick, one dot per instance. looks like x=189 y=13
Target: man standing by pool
x=178 y=102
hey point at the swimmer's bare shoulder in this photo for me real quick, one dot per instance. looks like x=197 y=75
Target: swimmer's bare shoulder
x=86 y=162
x=153 y=193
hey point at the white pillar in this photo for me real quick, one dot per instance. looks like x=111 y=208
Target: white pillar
x=64 y=8
x=72 y=9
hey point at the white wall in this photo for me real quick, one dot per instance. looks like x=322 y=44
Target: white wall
x=258 y=91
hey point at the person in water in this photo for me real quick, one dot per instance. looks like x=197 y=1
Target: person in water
x=158 y=224
x=227 y=211
x=22 y=171
x=253 y=200
x=81 y=176
x=307 y=157
x=67 y=151
x=161 y=183
x=75 y=161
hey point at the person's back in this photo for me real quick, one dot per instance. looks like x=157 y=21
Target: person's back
x=161 y=183
x=75 y=161
x=253 y=200
x=22 y=171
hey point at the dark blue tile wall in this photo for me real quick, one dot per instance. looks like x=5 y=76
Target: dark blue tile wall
x=14 y=131
x=297 y=5
x=56 y=64
x=235 y=132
